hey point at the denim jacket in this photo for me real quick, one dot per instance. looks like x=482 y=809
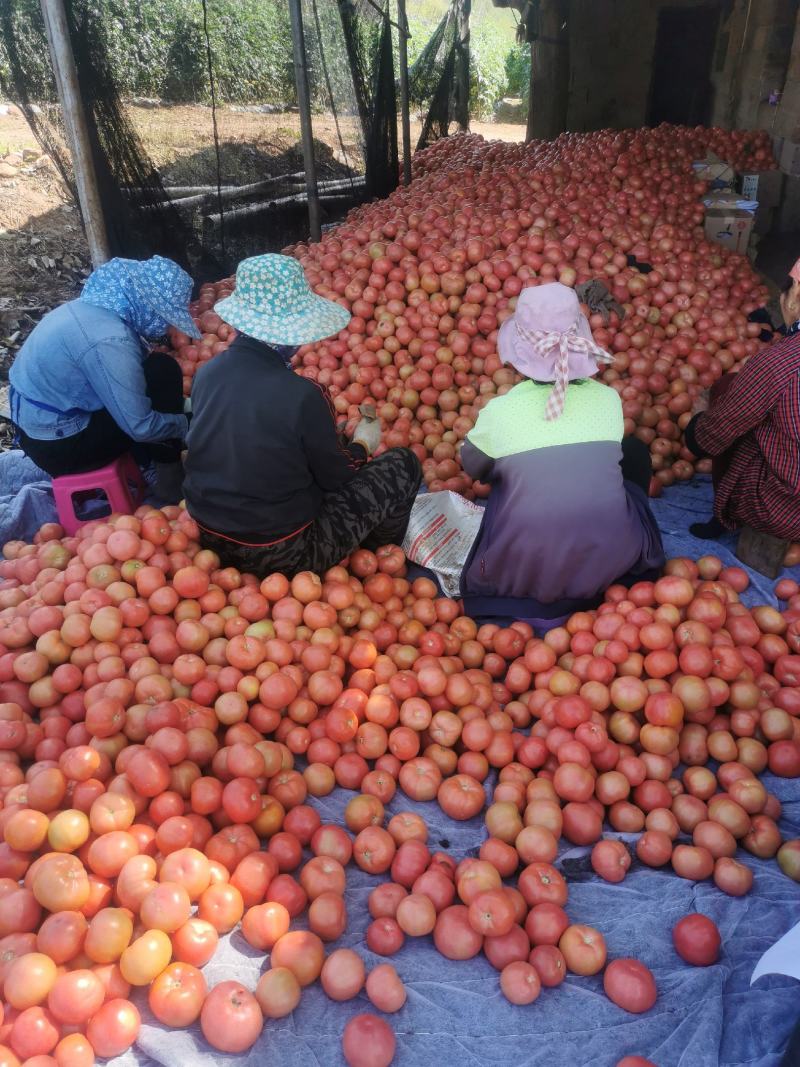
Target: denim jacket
x=79 y=359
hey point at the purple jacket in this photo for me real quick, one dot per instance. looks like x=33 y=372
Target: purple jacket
x=560 y=525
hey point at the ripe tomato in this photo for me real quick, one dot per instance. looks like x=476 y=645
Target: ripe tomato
x=29 y=980
x=520 y=982
x=385 y=989
x=278 y=992
x=584 y=949
x=109 y=934
x=630 y=985
x=61 y=883
x=343 y=974
x=492 y=914
x=454 y=936
x=230 y=1018
x=195 y=942
x=302 y=952
x=611 y=860
x=75 y=997
x=549 y=963
x=697 y=940
x=264 y=924
x=114 y=1028
x=368 y=1041
x=177 y=994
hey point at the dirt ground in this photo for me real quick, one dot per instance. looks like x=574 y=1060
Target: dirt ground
x=43 y=253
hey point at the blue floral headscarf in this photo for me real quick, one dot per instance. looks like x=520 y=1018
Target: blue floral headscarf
x=148 y=295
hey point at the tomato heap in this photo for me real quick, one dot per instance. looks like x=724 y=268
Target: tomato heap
x=430 y=274
x=166 y=725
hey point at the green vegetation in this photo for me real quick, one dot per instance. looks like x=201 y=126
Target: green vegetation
x=492 y=45
x=156 y=48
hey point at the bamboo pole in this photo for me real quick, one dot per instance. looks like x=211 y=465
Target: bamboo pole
x=304 y=103
x=55 y=21
x=405 y=114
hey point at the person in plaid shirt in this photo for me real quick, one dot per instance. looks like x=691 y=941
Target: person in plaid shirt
x=752 y=430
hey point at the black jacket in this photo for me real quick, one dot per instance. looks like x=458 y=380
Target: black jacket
x=263 y=446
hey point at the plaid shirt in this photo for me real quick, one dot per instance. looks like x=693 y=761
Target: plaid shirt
x=757 y=423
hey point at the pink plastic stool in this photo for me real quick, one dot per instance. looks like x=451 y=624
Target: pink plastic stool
x=121 y=481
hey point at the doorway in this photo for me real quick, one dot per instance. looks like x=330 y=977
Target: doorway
x=681 y=91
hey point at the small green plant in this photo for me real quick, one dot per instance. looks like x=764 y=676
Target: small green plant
x=518 y=70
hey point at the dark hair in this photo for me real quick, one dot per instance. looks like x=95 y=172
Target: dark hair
x=787 y=285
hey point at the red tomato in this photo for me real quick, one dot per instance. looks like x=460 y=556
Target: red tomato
x=195 y=942
x=368 y=1041
x=177 y=994
x=230 y=1018
x=630 y=985
x=114 y=1028
x=75 y=997
x=697 y=940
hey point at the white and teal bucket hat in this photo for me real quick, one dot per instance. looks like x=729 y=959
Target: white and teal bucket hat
x=273 y=302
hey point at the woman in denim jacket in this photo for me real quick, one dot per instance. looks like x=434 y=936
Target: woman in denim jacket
x=84 y=389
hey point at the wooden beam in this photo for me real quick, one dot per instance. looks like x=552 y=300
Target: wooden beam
x=304 y=103
x=462 y=68
x=549 y=86
x=69 y=95
x=405 y=114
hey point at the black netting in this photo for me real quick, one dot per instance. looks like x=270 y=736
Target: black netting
x=212 y=174
x=140 y=219
x=439 y=79
x=381 y=135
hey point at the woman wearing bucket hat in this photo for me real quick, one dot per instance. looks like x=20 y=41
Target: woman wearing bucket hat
x=752 y=431
x=84 y=389
x=568 y=514
x=268 y=479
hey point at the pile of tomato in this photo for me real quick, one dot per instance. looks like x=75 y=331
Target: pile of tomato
x=167 y=724
x=432 y=272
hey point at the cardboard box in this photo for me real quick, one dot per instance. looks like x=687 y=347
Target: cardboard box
x=764 y=186
x=730 y=228
x=790 y=158
x=725 y=200
x=716 y=171
x=748 y=186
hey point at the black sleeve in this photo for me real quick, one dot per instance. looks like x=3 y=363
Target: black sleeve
x=331 y=464
x=475 y=462
x=690 y=437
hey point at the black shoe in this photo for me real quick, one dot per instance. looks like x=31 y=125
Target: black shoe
x=707 y=531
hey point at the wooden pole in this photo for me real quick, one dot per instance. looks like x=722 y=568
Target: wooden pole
x=405 y=114
x=549 y=86
x=55 y=21
x=304 y=103
x=462 y=73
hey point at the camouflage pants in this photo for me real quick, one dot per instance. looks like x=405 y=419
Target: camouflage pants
x=371 y=510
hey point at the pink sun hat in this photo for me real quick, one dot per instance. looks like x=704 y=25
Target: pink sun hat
x=548 y=339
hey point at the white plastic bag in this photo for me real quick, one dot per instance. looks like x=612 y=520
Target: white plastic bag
x=441 y=532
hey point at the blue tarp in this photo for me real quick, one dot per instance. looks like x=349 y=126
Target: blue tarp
x=688 y=502
x=455 y=1013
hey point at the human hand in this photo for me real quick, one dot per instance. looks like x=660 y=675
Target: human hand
x=368 y=434
x=701 y=402
x=790 y=304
